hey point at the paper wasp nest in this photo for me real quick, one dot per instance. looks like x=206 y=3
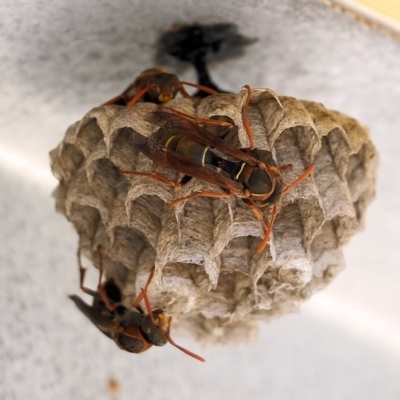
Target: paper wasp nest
x=208 y=274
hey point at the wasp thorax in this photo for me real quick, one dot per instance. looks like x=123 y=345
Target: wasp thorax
x=210 y=279
x=260 y=184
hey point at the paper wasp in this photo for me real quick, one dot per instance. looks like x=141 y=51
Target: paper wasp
x=157 y=86
x=130 y=328
x=186 y=147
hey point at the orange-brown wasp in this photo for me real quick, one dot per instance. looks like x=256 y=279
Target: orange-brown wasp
x=130 y=328
x=157 y=86
x=186 y=147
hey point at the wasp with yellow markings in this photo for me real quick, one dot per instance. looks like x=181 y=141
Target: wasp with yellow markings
x=130 y=328
x=184 y=146
x=155 y=85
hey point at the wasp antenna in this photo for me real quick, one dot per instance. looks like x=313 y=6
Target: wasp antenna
x=182 y=90
x=140 y=94
x=186 y=351
x=200 y=87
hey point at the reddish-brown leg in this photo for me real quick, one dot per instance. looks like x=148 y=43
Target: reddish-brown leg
x=139 y=298
x=154 y=175
x=204 y=193
x=256 y=212
x=267 y=233
x=100 y=287
x=143 y=296
x=148 y=306
x=82 y=272
x=245 y=118
x=301 y=178
x=197 y=120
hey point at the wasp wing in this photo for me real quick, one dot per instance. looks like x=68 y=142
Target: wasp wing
x=164 y=157
x=184 y=126
x=103 y=321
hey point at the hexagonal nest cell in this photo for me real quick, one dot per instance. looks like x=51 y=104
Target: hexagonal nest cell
x=208 y=275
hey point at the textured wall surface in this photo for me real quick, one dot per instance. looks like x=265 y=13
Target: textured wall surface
x=59 y=60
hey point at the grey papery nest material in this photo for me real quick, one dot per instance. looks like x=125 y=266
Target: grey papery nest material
x=209 y=277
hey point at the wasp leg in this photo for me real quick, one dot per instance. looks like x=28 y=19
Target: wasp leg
x=199 y=121
x=204 y=193
x=143 y=296
x=301 y=178
x=267 y=233
x=148 y=306
x=154 y=175
x=256 y=212
x=82 y=272
x=100 y=287
x=245 y=119
x=139 y=298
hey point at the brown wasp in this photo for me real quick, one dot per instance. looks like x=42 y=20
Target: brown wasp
x=186 y=147
x=157 y=86
x=130 y=328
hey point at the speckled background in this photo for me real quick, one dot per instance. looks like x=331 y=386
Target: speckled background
x=60 y=59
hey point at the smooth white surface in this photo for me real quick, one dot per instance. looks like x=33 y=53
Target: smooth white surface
x=60 y=59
